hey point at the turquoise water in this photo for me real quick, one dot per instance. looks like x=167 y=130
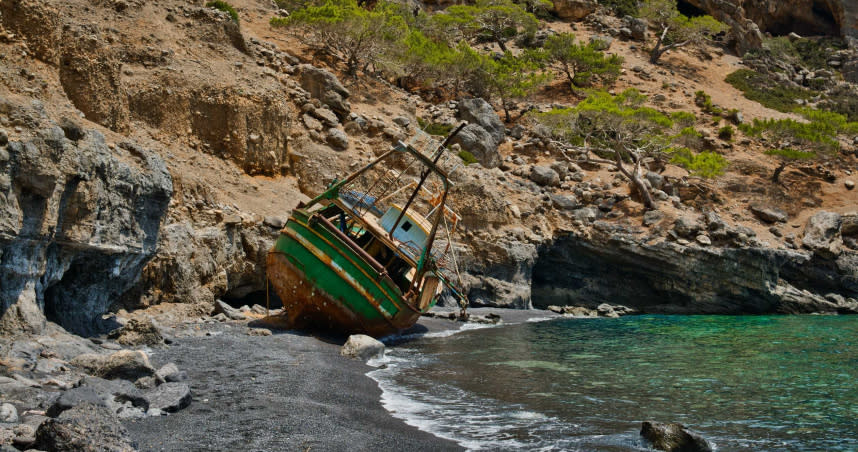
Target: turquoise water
x=745 y=383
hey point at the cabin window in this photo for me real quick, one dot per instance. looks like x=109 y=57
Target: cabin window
x=406 y=226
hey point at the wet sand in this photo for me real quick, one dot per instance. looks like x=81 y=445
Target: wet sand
x=286 y=392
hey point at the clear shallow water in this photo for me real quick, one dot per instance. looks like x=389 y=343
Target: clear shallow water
x=745 y=383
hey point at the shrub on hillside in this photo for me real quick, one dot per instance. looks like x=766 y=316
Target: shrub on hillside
x=221 y=5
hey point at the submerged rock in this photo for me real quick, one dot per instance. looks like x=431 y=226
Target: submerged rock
x=673 y=438
x=362 y=347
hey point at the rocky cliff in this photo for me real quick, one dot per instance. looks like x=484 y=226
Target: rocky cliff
x=751 y=18
x=80 y=219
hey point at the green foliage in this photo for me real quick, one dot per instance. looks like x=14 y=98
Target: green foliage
x=704 y=164
x=581 y=63
x=225 y=7
x=726 y=132
x=704 y=101
x=434 y=128
x=688 y=137
x=609 y=121
x=622 y=7
x=344 y=29
x=683 y=118
x=791 y=154
x=676 y=29
x=761 y=88
x=493 y=20
x=511 y=77
x=467 y=157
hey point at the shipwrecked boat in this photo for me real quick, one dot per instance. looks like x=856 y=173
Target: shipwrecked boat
x=372 y=252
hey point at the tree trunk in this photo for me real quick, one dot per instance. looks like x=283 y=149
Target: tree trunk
x=777 y=174
x=502 y=46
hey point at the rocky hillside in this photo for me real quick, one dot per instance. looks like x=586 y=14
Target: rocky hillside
x=150 y=152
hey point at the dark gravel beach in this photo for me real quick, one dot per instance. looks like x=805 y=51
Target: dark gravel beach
x=273 y=393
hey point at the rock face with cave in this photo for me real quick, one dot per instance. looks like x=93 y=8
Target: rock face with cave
x=79 y=220
x=750 y=19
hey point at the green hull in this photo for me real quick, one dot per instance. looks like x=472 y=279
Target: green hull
x=325 y=283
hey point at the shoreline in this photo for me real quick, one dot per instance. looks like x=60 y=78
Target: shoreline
x=243 y=385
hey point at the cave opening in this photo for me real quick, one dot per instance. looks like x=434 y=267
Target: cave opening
x=819 y=21
x=689 y=10
x=237 y=300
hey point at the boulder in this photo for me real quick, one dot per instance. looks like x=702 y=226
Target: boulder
x=84 y=428
x=480 y=143
x=169 y=397
x=170 y=373
x=121 y=397
x=673 y=438
x=638 y=28
x=137 y=332
x=124 y=364
x=686 y=227
x=822 y=234
x=478 y=111
x=325 y=86
x=362 y=347
x=563 y=202
x=544 y=176
x=574 y=9
x=769 y=214
x=72 y=398
x=8 y=413
x=337 y=139
x=220 y=307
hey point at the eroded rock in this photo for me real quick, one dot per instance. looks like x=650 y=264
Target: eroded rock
x=673 y=438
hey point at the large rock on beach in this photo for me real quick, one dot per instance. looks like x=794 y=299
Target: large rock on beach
x=124 y=364
x=822 y=234
x=84 y=428
x=362 y=347
x=137 y=332
x=169 y=397
x=673 y=438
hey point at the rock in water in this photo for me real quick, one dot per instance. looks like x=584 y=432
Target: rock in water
x=84 y=428
x=673 y=438
x=363 y=347
x=169 y=397
x=138 y=333
x=124 y=364
x=822 y=234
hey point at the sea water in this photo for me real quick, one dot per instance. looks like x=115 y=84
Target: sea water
x=746 y=383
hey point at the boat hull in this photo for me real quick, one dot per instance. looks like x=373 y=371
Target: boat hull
x=323 y=284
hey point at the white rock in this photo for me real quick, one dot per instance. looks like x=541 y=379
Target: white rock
x=363 y=347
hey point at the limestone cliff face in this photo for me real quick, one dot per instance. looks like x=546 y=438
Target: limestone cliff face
x=79 y=220
x=751 y=18
x=671 y=278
